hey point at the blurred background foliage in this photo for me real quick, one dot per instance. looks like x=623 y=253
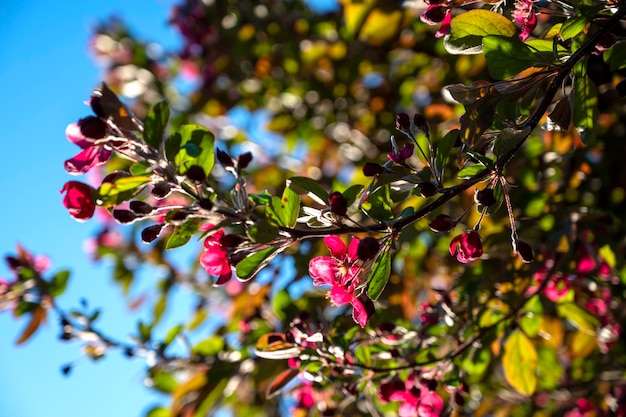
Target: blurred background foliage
x=314 y=91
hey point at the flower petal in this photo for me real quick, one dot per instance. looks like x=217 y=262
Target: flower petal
x=322 y=269
x=336 y=246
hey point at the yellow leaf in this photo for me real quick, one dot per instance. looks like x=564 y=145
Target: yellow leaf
x=381 y=26
x=520 y=363
x=582 y=344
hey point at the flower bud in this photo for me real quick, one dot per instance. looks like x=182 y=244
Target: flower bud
x=368 y=248
x=231 y=241
x=79 y=200
x=403 y=123
x=161 y=190
x=524 y=251
x=338 y=204
x=224 y=159
x=177 y=216
x=196 y=174
x=421 y=124
x=140 y=207
x=124 y=216
x=244 y=160
x=205 y=203
x=427 y=189
x=150 y=233
x=485 y=197
x=92 y=127
x=371 y=169
x=442 y=223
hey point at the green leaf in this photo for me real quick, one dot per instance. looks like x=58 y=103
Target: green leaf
x=578 y=317
x=476 y=364
x=172 y=334
x=469 y=171
x=284 y=210
x=210 y=346
x=164 y=382
x=122 y=189
x=352 y=192
x=379 y=276
x=183 y=233
x=309 y=187
x=139 y=168
x=572 y=27
x=468 y=29
x=155 y=123
x=378 y=204
x=248 y=267
x=443 y=151
x=549 y=368
x=479 y=117
x=519 y=363
x=58 y=283
x=159 y=412
x=191 y=145
x=506 y=57
x=585 y=106
x=616 y=56
x=480 y=22
x=481 y=159
x=508 y=139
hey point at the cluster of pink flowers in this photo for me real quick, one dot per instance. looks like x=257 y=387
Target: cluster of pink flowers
x=418 y=397
x=524 y=14
x=341 y=271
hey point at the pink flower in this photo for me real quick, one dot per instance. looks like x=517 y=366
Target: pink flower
x=215 y=259
x=435 y=14
x=79 y=200
x=524 y=14
x=400 y=155
x=466 y=247
x=85 y=133
x=340 y=271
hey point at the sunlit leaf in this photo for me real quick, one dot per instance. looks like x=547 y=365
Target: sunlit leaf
x=508 y=56
x=59 y=283
x=468 y=29
x=585 y=104
x=209 y=346
x=578 y=317
x=183 y=233
x=121 y=189
x=284 y=210
x=572 y=27
x=191 y=145
x=519 y=363
x=380 y=275
x=248 y=267
x=309 y=187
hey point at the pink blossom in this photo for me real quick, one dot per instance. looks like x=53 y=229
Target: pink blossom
x=400 y=155
x=215 y=259
x=524 y=14
x=79 y=200
x=438 y=14
x=340 y=271
x=430 y=404
x=85 y=134
x=466 y=247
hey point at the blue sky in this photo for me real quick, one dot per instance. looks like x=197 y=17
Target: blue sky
x=46 y=72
